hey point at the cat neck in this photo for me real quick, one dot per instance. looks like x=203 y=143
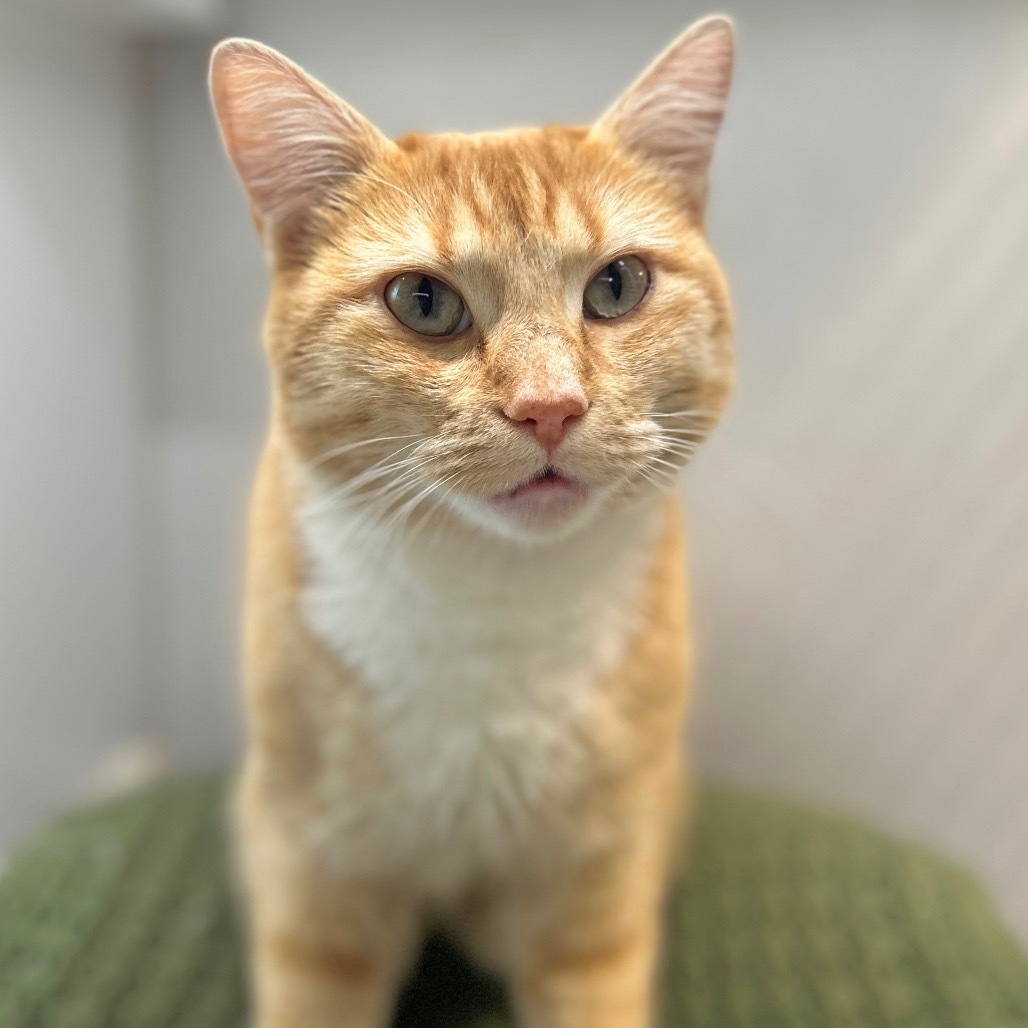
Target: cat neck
x=372 y=592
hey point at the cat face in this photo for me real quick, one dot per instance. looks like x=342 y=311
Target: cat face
x=516 y=329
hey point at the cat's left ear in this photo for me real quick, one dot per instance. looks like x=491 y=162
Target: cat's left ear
x=671 y=114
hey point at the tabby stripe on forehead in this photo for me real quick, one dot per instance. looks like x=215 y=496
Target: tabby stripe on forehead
x=480 y=199
x=550 y=198
x=537 y=190
x=591 y=221
x=549 y=174
x=513 y=184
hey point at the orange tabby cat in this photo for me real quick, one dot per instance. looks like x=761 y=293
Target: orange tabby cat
x=467 y=655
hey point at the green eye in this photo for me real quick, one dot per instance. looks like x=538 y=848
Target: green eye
x=426 y=305
x=617 y=289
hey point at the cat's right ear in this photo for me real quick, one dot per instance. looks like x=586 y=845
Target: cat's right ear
x=292 y=141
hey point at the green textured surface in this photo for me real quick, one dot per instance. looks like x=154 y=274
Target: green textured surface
x=122 y=917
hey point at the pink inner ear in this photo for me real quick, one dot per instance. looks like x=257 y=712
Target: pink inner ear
x=287 y=135
x=672 y=113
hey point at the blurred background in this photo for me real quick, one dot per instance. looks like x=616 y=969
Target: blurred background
x=859 y=524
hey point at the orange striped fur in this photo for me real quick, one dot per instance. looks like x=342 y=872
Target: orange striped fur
x=467 y=651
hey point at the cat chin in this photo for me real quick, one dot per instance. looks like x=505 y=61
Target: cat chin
x=533 y=516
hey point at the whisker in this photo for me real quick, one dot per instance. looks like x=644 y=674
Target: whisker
x=376 y=512
x=426 y=514
x=338 y=451
x=682 y=414
x=401 y=482
x=370 y=476
x=365 y=478
x=697 y=433
x=681 y=445
x=652 y=478
x=659 y=460
x=412 y=503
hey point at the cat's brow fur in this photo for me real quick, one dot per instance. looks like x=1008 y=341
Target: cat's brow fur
x=457 y=717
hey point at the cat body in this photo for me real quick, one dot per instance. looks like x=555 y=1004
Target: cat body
x=467 y=649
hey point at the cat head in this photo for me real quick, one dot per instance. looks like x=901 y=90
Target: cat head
x=515 y=329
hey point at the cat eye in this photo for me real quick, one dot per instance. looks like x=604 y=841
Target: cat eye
x=617 y=289
x=426 y=305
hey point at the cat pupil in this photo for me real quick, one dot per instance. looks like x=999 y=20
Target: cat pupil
x=615 y=280
x=424 y=295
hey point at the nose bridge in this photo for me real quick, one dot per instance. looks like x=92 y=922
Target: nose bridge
x=545 y=391
x=548 y=365
x=538 y=344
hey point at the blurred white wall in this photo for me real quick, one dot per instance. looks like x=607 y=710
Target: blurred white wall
x=69 y=669
x=860 y=523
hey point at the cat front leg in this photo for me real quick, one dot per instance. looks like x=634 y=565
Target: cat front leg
x=605 y=984
x=301 y=979
x=325 y=953
x=586 y=944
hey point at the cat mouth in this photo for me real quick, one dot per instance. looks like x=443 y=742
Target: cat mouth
x=546 y=482
x=545 y=501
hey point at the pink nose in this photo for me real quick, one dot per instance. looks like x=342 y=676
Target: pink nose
x=548 y=418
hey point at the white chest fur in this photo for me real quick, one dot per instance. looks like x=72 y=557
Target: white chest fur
x=480 y=663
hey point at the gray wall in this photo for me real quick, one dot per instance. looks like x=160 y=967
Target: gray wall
x=68 y=396
x=859 y=523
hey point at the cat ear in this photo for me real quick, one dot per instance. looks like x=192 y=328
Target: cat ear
x=671 y=114
x=291 y=139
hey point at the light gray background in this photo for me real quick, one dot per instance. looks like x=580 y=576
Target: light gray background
x=860 y=523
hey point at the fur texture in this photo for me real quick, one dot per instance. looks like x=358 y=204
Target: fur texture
x=467 y=652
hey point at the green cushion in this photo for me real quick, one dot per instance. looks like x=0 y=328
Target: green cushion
x=123 y=917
